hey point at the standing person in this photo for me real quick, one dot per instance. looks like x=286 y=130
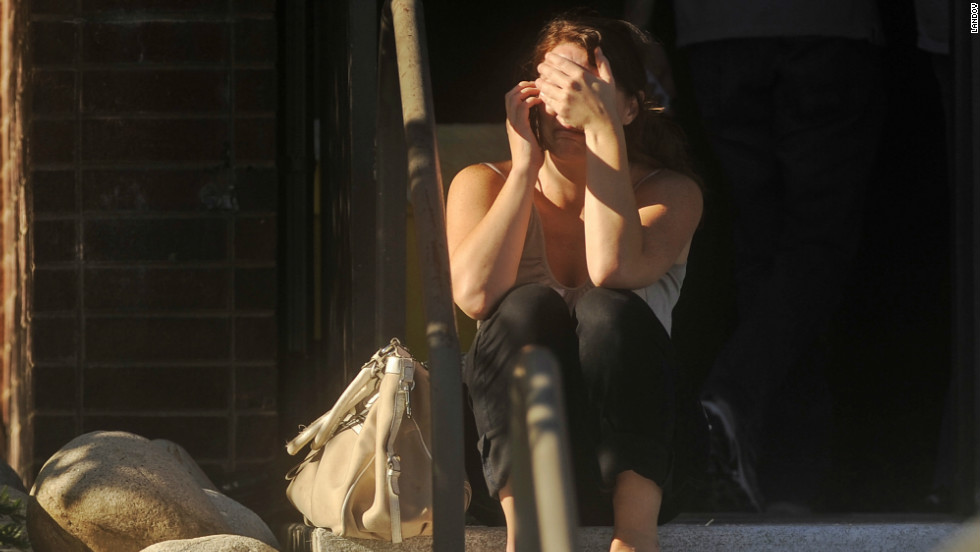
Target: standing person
x=579 y=243
x=789 y=94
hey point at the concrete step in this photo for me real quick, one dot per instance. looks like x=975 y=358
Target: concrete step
x=712 y=533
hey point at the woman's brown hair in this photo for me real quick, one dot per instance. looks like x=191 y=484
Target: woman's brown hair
x=653 y=137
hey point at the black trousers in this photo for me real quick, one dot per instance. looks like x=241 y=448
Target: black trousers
x=795 y=125
x=621 y=392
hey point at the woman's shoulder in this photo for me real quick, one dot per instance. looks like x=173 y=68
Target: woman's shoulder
x=484 y=175
x=487 y=169
x=480 y=180
x=651 y=176
x=659 y=184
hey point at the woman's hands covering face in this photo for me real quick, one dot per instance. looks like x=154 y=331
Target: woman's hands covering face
x=525 y=150
x=575 y=95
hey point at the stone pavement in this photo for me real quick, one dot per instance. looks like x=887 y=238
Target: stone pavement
x=712 y=533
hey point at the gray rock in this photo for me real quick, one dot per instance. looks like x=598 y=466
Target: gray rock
x=115 y=492
x=10 y=478
x=187 y=462
x=215 y=543
x=243 y=521
x=46 y=535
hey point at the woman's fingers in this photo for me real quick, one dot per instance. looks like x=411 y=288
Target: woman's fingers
x=528 y=92
x=525 y=86
x=533 y=101
x=560 y=77
x=520 y=99
x=565 y=65
x=521 y=88
x=523 y=91
x=546 y=87
x=602 y=65
x=548 y=101
x=552 y=96
x=523 y=143
x=551 y=74
x=572 y=93
x=561 y=71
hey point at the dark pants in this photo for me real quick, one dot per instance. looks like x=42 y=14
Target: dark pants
x=794 y=123
x=619 y=380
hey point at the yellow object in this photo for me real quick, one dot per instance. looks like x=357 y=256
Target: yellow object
x=459 y=146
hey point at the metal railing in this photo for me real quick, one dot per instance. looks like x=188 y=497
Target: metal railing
x=541 y=464
x=406 y=76
x=541 y=473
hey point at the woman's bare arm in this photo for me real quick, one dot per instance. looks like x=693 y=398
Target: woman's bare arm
x=632 y=237
x=487 y=215
x=486 y=222
x=670 y=208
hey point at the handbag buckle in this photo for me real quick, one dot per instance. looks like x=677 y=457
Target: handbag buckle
x=394 y=464
x=406 y=388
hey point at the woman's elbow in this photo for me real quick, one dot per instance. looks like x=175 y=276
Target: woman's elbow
x=619 y=276
x=474 y=312
x=473 y=303
x=608 y=275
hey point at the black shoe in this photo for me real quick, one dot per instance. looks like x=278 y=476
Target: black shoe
x=732 y=464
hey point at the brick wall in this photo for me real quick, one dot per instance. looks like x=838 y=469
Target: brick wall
x=152 y=167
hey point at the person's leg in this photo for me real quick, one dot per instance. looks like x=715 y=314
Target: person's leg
x=796 y=459
x=506 y=496
x=733 y=81
x=826 y=122
x=826 y=125
x=636 y=501
x=624 y=351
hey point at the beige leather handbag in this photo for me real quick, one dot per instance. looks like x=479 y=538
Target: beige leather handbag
x=369 y=472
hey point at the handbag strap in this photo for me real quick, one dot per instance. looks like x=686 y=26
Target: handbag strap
x=404 y=367
x=325 y=426
x=359 y=389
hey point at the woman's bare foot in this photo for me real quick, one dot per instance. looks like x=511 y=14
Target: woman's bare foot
x=649 y=544
x=636 y=505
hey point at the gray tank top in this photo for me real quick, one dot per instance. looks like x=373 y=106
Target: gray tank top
x=661 y=295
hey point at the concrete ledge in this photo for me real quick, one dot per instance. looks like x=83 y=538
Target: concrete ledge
x=701 y=533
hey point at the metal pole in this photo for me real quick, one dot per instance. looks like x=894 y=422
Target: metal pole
x=525 y=526
x=425 y=185
x=541 y=469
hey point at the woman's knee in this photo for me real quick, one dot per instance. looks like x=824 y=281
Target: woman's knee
x=531 y=309
x=530 y=314
x=610 y=312
x=618 y=333
x=532 y=298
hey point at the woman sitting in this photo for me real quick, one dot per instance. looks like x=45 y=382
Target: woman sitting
x=579 y=243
